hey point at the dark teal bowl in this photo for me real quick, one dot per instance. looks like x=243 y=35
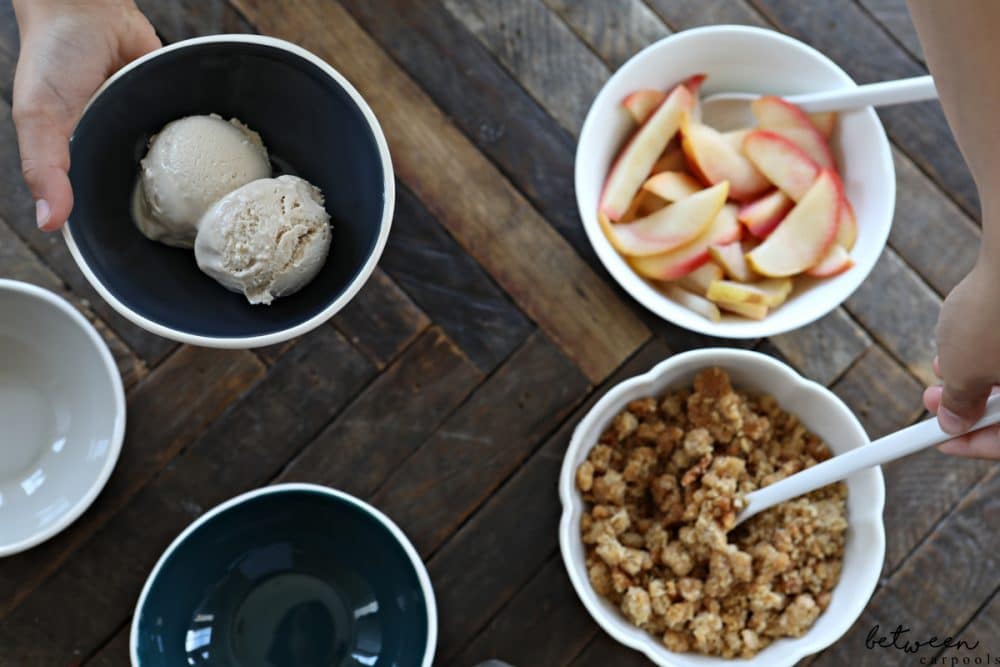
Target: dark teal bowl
x=288 y=575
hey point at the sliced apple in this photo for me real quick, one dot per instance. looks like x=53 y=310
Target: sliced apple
x=730 y=258
x=776 y=289
x=754 y=311
x=834 y=263
x=806 y=233
x=693 y=83
x=682 y=261
x=771 y=292
x=847 y=233
x=825 y=122
x=775 y=114
x=693 y=302
x=672 y=159
x=637 y=158
x=671 y=185
x=642 y=103
x=714 y=160
x=670 y=227
x=698 y=280
x=735 y=137
x=762 y=215
x=782 y=162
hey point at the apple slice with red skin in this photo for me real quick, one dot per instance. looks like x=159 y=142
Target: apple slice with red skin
x=753 y=311
x=825 y=122
x=698 y=280
x=682 y=261
x=762 y=215
x=672 y=159
x=636 y=160
x=642 y=103
x=713 y=160
x=671 y=227
x=671 y=185
x=730 y=258
x=735 y=137
x=835 y=262
x=805 y=235
x=694 y=303
x=847 y=234
x=784 y=118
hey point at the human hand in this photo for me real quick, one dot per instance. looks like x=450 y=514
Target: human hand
x=968 y=362
x=68 y=49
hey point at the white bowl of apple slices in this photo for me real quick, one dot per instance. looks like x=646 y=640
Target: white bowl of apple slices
x=741 y=233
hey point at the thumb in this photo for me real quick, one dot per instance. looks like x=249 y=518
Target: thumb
x=44 y=146
x=962 y=406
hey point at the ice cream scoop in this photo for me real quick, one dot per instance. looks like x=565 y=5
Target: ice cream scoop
x=192 y=163
x=266 y=239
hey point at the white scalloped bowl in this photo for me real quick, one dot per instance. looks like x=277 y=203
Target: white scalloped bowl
x=741 y=58
x=822 y=413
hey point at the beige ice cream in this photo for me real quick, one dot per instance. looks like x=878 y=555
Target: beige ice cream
x=192 y=163
x=265 y=239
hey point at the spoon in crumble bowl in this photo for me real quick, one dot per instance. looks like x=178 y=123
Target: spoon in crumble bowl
x=887 y=448
x=731 y=111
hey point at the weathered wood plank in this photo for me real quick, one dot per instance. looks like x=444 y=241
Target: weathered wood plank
x=540 y=50
x=115 y=653
x=983 y=630
x=823 y=350
x=464 y=79
x=544 y=624
x=603 y=651
x=18 y=210
x=475 y=450
x=682 y=14
x=882 y=395
x=166 y=412
x=859 y=45
x=939 y=588
x=467 y=194
x=242 y=450
x=900 y=311
x=929 y=231
x=894 y=18
x=381 y=320
x=18 y=262
x=391 y=418
x=614 y=30
x=473 y=573
x=451 y=287
x=182 y=19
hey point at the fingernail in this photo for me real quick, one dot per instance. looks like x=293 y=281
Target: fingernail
x=950 y=422
x=42 y=212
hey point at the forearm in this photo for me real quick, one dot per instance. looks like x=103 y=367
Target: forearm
x=962 y=50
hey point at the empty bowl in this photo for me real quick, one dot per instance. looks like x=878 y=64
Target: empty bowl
x=821 y=412
x=292 y=574
x=743 y=59
x=62 y=413
x=314 y=125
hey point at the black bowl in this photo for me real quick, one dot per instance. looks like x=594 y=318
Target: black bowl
x=314 y=124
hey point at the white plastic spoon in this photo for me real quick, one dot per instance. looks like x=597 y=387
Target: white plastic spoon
x=731 y=111
x=888 y=448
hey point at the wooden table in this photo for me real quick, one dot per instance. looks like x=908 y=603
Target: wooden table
x=446 y=392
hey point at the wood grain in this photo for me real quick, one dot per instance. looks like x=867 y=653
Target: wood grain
x=451 y=287
x=540 y=50
x=478 y=447
x=389 y=420
x=241 y=450
x=166 y=413
x=468 y=195
x=544 y=624
x=182 y=19
x=115 y=653
x=473 y=573
x=882 y=395
x=901 y=312
x=614 y=30
x=381 y=320
x=603 y=651
x=983 y=630
x=894 y=18
x=825 y=349
x=681 y=14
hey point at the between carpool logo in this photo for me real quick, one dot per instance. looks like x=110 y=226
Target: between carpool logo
x=899 y=640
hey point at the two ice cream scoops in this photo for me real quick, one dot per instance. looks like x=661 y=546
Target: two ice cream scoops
x=205 y=183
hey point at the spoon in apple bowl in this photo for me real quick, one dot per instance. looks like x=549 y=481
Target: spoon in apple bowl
x=731 y=111
x=887 y=448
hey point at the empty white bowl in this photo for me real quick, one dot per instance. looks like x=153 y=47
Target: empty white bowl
x=739 y=58
x=822 y=413
x=62 y=415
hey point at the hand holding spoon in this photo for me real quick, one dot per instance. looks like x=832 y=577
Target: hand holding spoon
x=885 y=449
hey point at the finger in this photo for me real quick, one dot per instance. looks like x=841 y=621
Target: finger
x=937 y=366
x=932 y=398
x=961 y=406
x=981 y=444
x=44 y=146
